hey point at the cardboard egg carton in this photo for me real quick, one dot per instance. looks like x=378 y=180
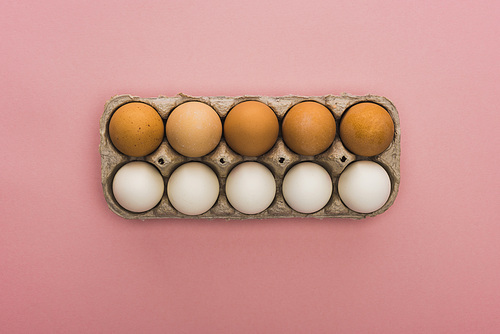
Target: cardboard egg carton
x=222 y=159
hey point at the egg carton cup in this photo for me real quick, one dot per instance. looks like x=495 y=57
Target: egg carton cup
x=222 y=159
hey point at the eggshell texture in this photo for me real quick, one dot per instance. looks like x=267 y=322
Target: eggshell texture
x=251 y=128
x=250 y=187
x=366 y=129
x=308 y=128
x=307 y=187
x=364 y=186
x=138 y=186
x=193 y=188
x=193 y=129
x=136 y=129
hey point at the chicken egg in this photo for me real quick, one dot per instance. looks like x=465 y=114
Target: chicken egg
x=308 y=128
x=193 y=188
x=251 y=128
x=138 y=186
x=366 y=129
x=136 y=129
x=364 y=186
x=307 y=187
x=250 y=187
x=193 y=129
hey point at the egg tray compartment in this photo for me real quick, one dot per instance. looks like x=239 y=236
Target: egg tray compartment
x=222 y=159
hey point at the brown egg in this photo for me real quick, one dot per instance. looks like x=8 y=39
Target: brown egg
x=193 y=129
x=366 y=129
x=308 y=128
x=251 y=128
x=136 y=129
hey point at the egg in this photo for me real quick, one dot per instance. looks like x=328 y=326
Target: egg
x=193 y=188
x=250 y=187
x=308 y=128
x=138 y=186
x=136 y=129
x=364 y=186
x=251 y=128
x=193 y=129
x=366 y=129
x=307 y=187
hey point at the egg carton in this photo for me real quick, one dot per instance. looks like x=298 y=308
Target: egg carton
x=222 y=159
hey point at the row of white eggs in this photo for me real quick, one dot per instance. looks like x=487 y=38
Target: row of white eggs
x=193 y=188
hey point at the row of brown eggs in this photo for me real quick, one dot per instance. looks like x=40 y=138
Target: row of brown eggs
x=251 y=128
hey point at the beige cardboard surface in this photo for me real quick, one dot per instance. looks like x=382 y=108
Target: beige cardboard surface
x=279 y=159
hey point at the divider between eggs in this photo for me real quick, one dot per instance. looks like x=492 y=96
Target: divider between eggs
x=222 y=159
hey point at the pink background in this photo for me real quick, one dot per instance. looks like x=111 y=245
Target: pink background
x=430 y=264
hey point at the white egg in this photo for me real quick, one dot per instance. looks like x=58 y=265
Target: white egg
x=138 y=186
x=364 y=186
x=193 y=188
x=250 y=187
x=307 y=187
